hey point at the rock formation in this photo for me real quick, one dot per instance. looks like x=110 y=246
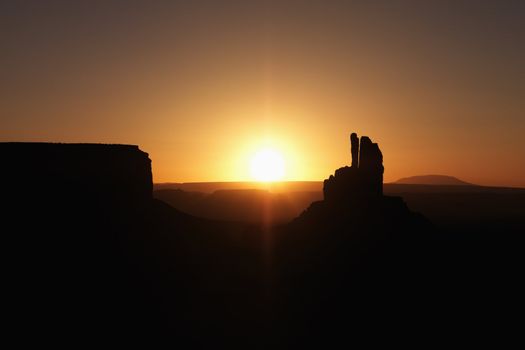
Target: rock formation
x=70 y=219
x=371 y=166
x=105 y=173
x=364 y=179
x=354 y=143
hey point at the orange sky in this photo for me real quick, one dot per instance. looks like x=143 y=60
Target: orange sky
x=202 y=85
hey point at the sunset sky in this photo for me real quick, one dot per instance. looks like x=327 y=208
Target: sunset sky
x=202 y=86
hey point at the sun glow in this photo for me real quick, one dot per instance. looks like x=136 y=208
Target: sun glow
x=267 y=165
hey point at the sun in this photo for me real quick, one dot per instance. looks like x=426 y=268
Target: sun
x=267 y=165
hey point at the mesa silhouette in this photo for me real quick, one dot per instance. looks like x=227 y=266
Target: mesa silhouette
x=92 y=253
x=433 y=180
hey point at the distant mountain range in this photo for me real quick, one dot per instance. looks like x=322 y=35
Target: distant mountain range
x=300 y=186
x=433 y=180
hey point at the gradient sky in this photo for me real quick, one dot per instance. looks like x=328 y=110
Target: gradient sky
x=202 y=85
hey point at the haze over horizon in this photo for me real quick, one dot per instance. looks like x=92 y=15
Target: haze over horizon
x=204 y=85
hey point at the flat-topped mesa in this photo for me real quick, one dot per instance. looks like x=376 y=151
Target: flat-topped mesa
x=364 y=179
x=102 y=172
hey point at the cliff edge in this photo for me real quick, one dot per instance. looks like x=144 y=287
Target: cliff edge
x=109 y=173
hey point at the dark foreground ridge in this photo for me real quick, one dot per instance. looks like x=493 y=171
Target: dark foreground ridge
x=92 y=257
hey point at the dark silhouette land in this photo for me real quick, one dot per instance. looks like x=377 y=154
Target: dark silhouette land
x=433 y=180
x=92 y=253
